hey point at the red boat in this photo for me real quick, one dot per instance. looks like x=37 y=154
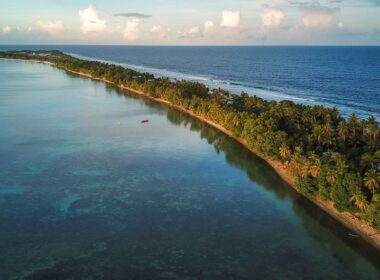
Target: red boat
x=144 y=121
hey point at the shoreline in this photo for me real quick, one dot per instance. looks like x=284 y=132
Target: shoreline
x=363 y=230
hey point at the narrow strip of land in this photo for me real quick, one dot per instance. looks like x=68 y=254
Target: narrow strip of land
x=364 y=230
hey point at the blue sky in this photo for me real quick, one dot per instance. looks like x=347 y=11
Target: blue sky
x=195 y=22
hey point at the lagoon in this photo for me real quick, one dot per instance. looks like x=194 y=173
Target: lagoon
x=88 y=192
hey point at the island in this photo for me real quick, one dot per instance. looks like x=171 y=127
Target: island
x=331 y=160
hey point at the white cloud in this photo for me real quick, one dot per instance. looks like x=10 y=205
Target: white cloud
x=193 y=30
x=51 y=27
x=91 y=20
x=230 y=19
x=132 y=30
x=156 y=29
x=318 y=16
x=271 y=16
x=208 y=26
x=7 y=29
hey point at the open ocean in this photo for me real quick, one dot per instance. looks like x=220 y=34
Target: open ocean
x=345 y=77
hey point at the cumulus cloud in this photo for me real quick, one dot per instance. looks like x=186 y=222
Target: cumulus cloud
x=193 y=30
x=91 y=20
x=7 y=29
x=230 y=19
x=132 y=30
x=51 y=27
x=318 y=16
x=271 y=16
x=156 y=29
x=208 y=26
x=133 y=15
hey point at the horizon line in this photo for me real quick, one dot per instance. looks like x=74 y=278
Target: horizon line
x=156 y=45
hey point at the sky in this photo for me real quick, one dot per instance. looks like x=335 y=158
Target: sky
x=190 y=22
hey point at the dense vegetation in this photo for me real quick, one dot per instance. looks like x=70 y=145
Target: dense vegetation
x=330 y=157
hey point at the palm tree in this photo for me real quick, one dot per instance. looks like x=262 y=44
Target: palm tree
x=371 y=180
x=359 y=200
x=284 y=152
x=373 y=132
x=331 y=176
x=353 y=127
x=353 y=122
x=370 y=161
x=340 y=164
x=373 y=126
x=318 y=132
x=314 y=165
x=342 y=130
x=328 y=132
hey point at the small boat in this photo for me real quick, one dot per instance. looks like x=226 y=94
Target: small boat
x=144 y=121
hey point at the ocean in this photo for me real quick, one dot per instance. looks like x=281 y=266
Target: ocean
x=344 y=77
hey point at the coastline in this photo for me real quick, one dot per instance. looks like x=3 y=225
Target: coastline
x=365 y=231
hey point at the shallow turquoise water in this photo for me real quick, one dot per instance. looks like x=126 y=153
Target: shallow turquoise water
x=87 y=192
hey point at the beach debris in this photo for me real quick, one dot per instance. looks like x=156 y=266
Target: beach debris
x=353 y=235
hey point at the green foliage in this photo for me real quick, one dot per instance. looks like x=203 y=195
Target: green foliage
x=306 y=186
x=341 y=197
x=372 y=213
x=343 y=192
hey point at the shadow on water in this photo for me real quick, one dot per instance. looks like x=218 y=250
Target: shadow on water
x=236 y=154
x=318 y=224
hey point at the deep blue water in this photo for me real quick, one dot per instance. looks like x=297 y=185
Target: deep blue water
x=88 y=192
x=346 y=77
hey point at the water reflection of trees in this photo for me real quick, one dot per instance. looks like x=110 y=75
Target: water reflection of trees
x=256 y=169
x=325 y=229
x=236 y=155
x=319 y=225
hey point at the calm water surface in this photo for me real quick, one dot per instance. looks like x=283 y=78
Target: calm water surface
x=87 y=192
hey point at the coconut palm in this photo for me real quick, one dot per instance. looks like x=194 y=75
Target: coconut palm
x=359 y=200
x=373 y=127
x=284 y=152
x=331 y=176
x=318 y=133
x=370 y=161
x=314 y=165
x=342 y=130
x=371 y=180
x=328 y=132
